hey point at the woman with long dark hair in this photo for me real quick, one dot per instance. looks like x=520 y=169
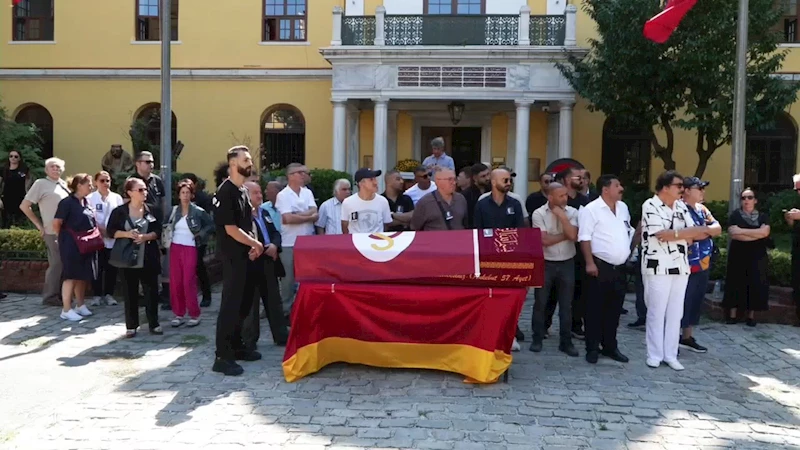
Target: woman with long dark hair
x=16 y=181
x=746 y=283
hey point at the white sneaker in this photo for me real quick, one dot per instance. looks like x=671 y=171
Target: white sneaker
x=71 y=315
x=84 y=311
x=675 y=365
x=653 y=363
x=110 y=301
x=193 y=323
x=176 y=322
x=515 y=346
x=95 y=301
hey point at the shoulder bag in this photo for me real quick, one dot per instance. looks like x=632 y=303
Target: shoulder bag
x=168 y=229
x=126 y=254
x=89 y=241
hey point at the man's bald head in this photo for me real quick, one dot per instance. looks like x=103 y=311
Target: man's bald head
x=501 y=180
x=256 y=198
x=557 y=194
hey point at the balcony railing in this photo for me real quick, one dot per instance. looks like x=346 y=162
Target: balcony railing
x=454 y=30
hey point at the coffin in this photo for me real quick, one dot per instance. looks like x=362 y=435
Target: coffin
x=507 y=257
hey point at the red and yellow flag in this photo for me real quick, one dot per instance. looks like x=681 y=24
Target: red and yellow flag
x=660 y=27
x=467 y=330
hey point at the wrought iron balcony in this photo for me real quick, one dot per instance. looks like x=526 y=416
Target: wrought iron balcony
x=454 y=30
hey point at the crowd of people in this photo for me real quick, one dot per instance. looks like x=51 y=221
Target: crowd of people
x=589 y=244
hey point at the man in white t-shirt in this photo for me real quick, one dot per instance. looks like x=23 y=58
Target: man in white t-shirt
x=298 y=211
x=424 y=184
x=366 y=211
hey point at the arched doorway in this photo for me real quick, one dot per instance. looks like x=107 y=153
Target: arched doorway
x=40 y=117
x=148 y=127
x=283 y=137
x=771 y=155
x=626 y=154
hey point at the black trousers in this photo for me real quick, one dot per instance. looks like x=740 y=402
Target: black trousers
x=578 y=297
x=263 y=271
x=106 y=279
x=605 y=295
x=202 y=273
x=238 y=292
x=149 y=279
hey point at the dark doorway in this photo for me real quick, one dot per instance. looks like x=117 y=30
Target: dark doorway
x=463 y=144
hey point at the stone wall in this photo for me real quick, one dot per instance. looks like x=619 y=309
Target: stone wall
x=781 y=307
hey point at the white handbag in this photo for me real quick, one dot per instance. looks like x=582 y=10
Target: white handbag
x=168 y=229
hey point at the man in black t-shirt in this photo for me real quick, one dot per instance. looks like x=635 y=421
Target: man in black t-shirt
x=538 y=199
x=236 y=244
x=401 y=205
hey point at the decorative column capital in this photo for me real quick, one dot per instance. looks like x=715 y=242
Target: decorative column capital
x=339 y=101
x=380 y=101
x=523 y=103
x=566 y=104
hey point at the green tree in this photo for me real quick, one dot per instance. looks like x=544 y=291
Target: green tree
x=23 y=138
x=686 y=83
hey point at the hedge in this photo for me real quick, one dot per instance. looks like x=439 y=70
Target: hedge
x=321 y=181
x=779 y=270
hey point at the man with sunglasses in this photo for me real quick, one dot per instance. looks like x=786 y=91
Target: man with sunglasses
x=538 y=199
x=423 y=185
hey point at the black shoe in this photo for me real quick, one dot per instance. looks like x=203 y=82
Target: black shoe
x=691 y=344
x=591 y=356
x=519 y=335
x=247 y=355
x=2 y=295
x=623 y=311
x=226 y=367
x=638 y=324
x=616 y=355
x=731 y=321
x=577 y=333
x=206 y=302
x=568 y=348
x=536 y=346
x=751 y=322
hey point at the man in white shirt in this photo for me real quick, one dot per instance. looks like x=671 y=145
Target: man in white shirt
x=298 y=212
x=366 y=211
x=438 y=158
x=424 y=185
x=605 y=233
x=330 y=211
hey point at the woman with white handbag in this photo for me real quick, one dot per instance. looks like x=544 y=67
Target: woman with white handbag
x=187 y=228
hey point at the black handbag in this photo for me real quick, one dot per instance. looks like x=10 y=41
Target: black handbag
x=126 y=254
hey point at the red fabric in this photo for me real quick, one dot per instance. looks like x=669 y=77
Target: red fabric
x=183 y=280
x=15 y=2
x=336 y=258
x=660 y=28
x=484 y=318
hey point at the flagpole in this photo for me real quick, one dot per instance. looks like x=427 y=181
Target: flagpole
x=166 y=102
x=739 y=97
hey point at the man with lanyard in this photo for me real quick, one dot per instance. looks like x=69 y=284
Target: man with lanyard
x=236 y=246
x=265 y=270
x=443 y=209
x=699 y=261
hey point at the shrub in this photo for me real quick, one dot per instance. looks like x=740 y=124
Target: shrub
x=407 y=165
x=633 y=198
x=775 y=204
x=719 y=209
x=779 y=270
x=321 y=181
x=19 y=240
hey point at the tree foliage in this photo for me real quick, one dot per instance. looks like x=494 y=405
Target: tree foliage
x=25 y=139
x=686 y=83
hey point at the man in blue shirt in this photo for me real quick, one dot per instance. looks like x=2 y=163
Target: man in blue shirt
x=438 y=157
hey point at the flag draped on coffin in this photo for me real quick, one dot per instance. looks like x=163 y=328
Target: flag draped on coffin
x=660 y=27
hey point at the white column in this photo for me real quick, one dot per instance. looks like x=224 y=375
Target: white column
x=511 y=138
x=521 y=156
x=524 y=26
x=380 y=15
x=565 y=129
x=353 y=139
x=552 y=137
x=570 y=27
x=381 y=134
x=337 y=26
x=391 y=140
x=339 y=133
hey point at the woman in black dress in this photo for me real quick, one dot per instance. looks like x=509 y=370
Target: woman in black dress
x=16 y=181
x=746 y=283
x=74 y=215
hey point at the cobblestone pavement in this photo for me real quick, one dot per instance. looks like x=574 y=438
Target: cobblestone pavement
x=82 y=386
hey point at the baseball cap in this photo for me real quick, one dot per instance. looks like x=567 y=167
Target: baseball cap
x=364 y=173
x=689 y=182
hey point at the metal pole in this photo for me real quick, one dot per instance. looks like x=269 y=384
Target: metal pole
x=166 y=103
x=739 y=107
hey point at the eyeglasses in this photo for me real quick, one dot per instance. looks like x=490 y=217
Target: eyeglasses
x=140 y=190
x=677 y=184
x=147 y=162
x=103 y=181
x=748 y=197
x=13 y=156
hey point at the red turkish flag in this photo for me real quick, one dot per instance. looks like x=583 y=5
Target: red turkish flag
x=660 y=28
x=15 y=2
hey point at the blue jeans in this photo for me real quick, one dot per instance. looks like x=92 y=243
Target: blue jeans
x=695 y=294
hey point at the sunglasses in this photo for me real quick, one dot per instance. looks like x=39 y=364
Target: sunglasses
x=148 y=162
x=140 y=190
x=507 y=180
x=13 y=156
x=103 y=181
x=748 y=197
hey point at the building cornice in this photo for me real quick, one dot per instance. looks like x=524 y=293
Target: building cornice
x=485 y=53
x=177 y=74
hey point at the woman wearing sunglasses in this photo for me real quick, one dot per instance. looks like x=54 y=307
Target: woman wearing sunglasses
x=16 y=181
x=746 y=283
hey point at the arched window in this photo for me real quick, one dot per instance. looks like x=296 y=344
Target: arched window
x=150 y=120
x=283 y=137
x=771 y=156
x=39 y=116
x=626 y=154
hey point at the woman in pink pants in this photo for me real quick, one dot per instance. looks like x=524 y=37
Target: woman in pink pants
x=191 y=226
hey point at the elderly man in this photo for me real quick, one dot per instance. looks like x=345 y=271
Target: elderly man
x=438 y=158
x=443 y=209
x=366 y=211
x=47 y=192
x=559 y=225
x=271 y=194
x=401 y=205
x=265 y=271
x=330 y=211
x=423 y=186
x=298 y=212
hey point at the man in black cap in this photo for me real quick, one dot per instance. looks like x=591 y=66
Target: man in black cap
x=366 y=211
